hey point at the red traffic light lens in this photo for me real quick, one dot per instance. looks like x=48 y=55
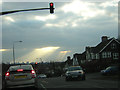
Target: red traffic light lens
x=51 y=4
x=51 y=7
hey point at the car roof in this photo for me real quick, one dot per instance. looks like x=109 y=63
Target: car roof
x=25 y=67
x=113 y=66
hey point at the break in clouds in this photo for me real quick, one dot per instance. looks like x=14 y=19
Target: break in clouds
x=72 y=27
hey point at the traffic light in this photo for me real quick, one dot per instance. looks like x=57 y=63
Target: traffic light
x=51 y=8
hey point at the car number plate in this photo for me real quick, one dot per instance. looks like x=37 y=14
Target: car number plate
x=74 y=76
x=23 y=76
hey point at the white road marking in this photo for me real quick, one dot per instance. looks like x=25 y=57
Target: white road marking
x=43 y=86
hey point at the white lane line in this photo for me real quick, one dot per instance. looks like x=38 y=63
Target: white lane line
x=43 y=86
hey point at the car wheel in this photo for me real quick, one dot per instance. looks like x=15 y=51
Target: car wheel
x=83 y=78
x=66 y=79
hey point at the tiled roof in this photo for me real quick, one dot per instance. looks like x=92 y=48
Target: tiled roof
x=95 y=49
x=100 y=46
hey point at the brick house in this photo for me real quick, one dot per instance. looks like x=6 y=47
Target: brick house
x=107 y=50
x=68 y=62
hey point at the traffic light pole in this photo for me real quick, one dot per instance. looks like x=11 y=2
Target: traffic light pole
x=9 y=12
x=51 y=10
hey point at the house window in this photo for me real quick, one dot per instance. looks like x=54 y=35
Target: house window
x=115 y=55
x=113 y=46
x=82 y=61
x=92 y=56
x=87 y=56
x=106 y=54
x=97 y=56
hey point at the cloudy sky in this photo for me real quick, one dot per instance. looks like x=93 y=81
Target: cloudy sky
x=53 y=37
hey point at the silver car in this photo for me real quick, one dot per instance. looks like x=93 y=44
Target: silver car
x=20 y=76
x=42 y=76
x=75 y=72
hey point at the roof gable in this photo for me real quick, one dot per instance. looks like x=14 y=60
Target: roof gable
x=109 y=43
x=101 y=46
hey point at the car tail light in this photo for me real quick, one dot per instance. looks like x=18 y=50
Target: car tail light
x=33 y=74
x=7 y=74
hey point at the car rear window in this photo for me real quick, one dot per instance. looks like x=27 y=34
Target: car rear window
x=24 y=71
x=74 y=68
x=24 y=67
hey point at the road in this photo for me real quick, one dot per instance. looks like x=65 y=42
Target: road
x=92 y=81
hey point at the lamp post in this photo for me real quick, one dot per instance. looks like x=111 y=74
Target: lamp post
x=14 y=50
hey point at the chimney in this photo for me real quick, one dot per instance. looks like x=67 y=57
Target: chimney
x=88 y=48
x=68 y=58
x=104 y=38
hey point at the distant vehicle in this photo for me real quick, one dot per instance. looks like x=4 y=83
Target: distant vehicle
x=20 y=76
x=111 y=70
x=42 y=76
x=75 y=72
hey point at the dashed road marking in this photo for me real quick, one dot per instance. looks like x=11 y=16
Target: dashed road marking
x=43 y=86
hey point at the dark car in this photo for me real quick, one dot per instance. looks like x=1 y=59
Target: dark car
x=111 y=70
x=75 y=72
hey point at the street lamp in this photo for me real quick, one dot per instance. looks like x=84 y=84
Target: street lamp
x=14 y=50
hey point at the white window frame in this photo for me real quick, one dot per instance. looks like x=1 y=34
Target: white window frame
x=109 y=54
x=97 y=56
x=87 y=55
x=104 y=55
x=113 y=45
x=115 y=55
x=92 y=56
